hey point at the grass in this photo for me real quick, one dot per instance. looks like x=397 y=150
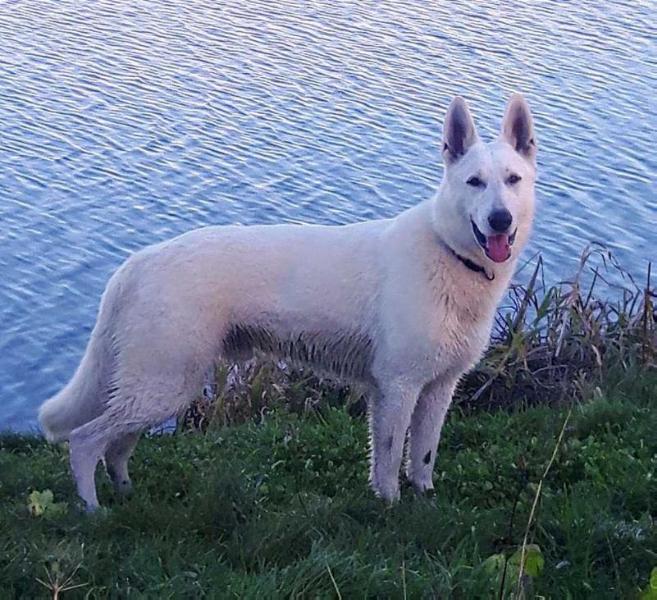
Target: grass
x=282 y=509
x=559 y=473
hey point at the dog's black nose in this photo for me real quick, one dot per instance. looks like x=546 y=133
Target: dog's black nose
x=500 y=220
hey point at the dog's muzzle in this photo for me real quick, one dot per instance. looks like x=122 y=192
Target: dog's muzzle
x=498 y=246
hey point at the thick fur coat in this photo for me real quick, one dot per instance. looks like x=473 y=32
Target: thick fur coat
x=402 y=307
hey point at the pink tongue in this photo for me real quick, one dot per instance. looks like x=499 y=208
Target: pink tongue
x=498 y=247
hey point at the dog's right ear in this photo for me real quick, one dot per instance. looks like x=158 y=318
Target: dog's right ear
x=518 y=127
x=459 y=131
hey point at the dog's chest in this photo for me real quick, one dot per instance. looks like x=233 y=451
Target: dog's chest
x=458 y=332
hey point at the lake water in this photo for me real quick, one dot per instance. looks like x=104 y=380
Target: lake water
x=125 y=123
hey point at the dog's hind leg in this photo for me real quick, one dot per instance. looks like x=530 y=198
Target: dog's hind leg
x=141 y=404
x=117 y=456
x=87 y=444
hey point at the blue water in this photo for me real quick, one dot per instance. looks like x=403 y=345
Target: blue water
x=124 y=123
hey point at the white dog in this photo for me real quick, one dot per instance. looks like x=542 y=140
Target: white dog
x=403 y=307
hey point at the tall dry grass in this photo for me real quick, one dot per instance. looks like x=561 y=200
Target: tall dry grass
x=553 y=343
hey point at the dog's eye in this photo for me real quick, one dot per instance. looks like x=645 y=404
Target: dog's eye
x=513 y=179
x=475 y=182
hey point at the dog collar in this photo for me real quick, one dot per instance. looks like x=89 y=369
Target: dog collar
x=473 y=266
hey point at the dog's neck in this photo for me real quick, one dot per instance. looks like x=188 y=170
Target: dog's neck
x=487 y=274
x=473 y=266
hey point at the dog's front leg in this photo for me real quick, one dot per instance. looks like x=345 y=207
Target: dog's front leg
x=426 y=425
x=390 y=415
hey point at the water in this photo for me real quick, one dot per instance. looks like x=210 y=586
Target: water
x=124 y=123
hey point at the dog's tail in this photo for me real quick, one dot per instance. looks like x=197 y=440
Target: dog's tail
x=85 y=397
x=81 y=400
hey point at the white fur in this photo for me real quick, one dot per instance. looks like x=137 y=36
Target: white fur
x=384 y=303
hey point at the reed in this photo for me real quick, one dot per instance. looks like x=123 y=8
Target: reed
x=555 y=343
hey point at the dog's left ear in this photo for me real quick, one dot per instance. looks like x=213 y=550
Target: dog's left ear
x=459 y=131
x=518 y=127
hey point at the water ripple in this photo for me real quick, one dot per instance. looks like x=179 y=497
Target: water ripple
x=124 y=123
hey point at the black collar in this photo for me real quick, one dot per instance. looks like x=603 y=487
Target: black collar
x=473 y=266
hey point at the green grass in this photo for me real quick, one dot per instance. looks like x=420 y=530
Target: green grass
x=282 y=509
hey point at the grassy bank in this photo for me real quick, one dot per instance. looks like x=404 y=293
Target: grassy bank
x=281 y=509
x=548 y=459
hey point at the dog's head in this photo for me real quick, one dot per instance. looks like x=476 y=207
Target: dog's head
x=486 y=204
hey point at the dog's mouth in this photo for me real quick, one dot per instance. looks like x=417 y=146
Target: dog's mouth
x=497 y=247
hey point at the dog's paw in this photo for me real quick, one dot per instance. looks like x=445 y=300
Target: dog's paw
x=388 y=492
x=101 y=512
x=92 y=510
x=428 y=493
x=123 y=487
x=423 y=489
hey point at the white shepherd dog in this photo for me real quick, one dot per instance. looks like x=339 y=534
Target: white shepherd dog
x=402 y=307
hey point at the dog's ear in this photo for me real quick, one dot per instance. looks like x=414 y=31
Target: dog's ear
x=458 y=131
x=518 y=127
